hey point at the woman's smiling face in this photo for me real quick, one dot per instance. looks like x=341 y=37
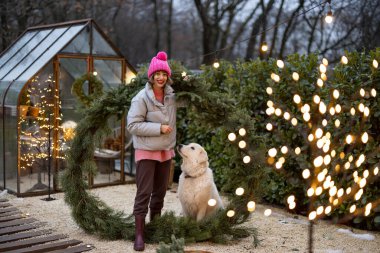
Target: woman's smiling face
x=160 y=78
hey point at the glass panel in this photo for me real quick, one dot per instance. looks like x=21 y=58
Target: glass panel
x=16 y=47
x=36 y=124
x=107 y=155
x=18 y=61
x=10 y=147
x=1 y=149
x=3 y=87
x=100 y=45
x=70 y=69
x=109 y=72
x=80 y=45
x=50 y=52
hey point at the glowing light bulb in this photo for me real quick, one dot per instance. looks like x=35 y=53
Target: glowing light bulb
x=295 y=76
x=272 y=152
x=325 y=62
x=349 y=139
x=375 y=64
x=270 y=103
x=362 y=182
x=366 y=111
x=344 y=60
x=297 y=151
x=320 y=82
x=310 y=137
x=328 y=209
x=211 y=202
x=239 y=191
x=242 y=144
x=297 y=99
x=312 y=215
x=338 y=108
x=183 y=74
x=269 y=91
x=320 y=210
x=322 y=68
x=251 y=206
x=294 y=121
x=246 y=159
x=231 y=213
x=336 y=94
x=264 y=47
x=216 y=65
x=318 y=161
x=306 y=173
x=362 y=92
x=278 y=112
x=376 y=171
x=280 y=64
x=269 y=127
x=365 y=137
x=292 y=205
x=373 y=92
x=318 y=133
x=322 y=108
x=316 y=99
x=306 y=116
x=242 y=132
x=352 y=208
x=95 y=73
x=286 y=116
x=291 y=199
x=284 y=149
x=324 y=122
x=267 y=212
x=310 y=192
x=352 y=111
x=329 y=17
x=232 y=136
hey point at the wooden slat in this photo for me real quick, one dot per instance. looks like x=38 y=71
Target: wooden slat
x=47 y=247
x=25 y=235
x=17 y=222
x=5 y=247
x=12 y=230
x=4 y=204
x=12 y=217
x=10 y=209
x=10 y=213
x=76 y=249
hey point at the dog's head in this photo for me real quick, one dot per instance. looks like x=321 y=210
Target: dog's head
x=194 y=159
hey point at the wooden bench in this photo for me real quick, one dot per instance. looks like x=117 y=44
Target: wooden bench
x=20 y=234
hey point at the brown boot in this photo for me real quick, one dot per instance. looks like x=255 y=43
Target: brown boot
x=139 y=233
x=154 y=214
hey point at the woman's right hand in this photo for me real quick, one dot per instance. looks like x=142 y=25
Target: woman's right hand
x=166 y=129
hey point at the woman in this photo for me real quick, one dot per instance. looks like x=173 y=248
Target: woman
x=152 y=122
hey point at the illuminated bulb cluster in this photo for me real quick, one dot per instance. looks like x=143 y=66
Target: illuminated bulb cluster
x=291 y=202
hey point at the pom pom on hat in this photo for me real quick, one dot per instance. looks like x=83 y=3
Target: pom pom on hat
x=159 y=62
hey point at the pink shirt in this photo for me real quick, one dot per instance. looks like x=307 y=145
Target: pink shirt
x=159 y=155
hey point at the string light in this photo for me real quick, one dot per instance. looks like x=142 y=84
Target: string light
x=264 y=47
x=232 y=137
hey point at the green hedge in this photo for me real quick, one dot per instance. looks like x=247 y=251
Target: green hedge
x=243 y=85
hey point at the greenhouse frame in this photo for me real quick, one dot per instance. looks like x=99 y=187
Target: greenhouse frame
x=39 y=112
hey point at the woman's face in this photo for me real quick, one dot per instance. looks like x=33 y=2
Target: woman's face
x=160 y=78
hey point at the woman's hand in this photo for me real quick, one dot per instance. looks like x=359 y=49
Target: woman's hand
x=166 y=129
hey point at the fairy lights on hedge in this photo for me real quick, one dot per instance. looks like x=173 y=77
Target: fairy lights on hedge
x=320 y=117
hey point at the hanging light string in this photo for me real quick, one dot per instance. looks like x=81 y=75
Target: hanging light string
x=260 y=33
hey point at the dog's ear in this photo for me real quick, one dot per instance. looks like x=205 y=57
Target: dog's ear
x=202 y=158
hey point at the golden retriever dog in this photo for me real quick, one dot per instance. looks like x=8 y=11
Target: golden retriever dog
x=196 y=183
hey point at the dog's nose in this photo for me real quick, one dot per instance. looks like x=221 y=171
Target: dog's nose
x=180 y=146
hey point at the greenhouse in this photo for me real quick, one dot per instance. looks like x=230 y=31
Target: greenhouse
x=39 y=110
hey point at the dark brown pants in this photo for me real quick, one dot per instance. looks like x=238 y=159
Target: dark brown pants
x=152 y=182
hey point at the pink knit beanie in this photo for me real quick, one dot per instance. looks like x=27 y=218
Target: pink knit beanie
x=159 y=62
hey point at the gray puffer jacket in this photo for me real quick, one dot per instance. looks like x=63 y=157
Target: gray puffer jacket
x=146 y=116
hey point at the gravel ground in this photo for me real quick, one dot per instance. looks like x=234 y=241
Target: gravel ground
x=280 y=232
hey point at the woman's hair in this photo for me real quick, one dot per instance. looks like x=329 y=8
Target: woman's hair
x=151 y=80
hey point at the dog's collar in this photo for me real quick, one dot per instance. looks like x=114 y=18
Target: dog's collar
x=188 y=176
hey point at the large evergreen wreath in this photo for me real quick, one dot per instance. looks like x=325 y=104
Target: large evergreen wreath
x=95 y=217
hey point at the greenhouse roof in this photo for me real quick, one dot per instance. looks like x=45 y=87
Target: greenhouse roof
x=38 y=45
